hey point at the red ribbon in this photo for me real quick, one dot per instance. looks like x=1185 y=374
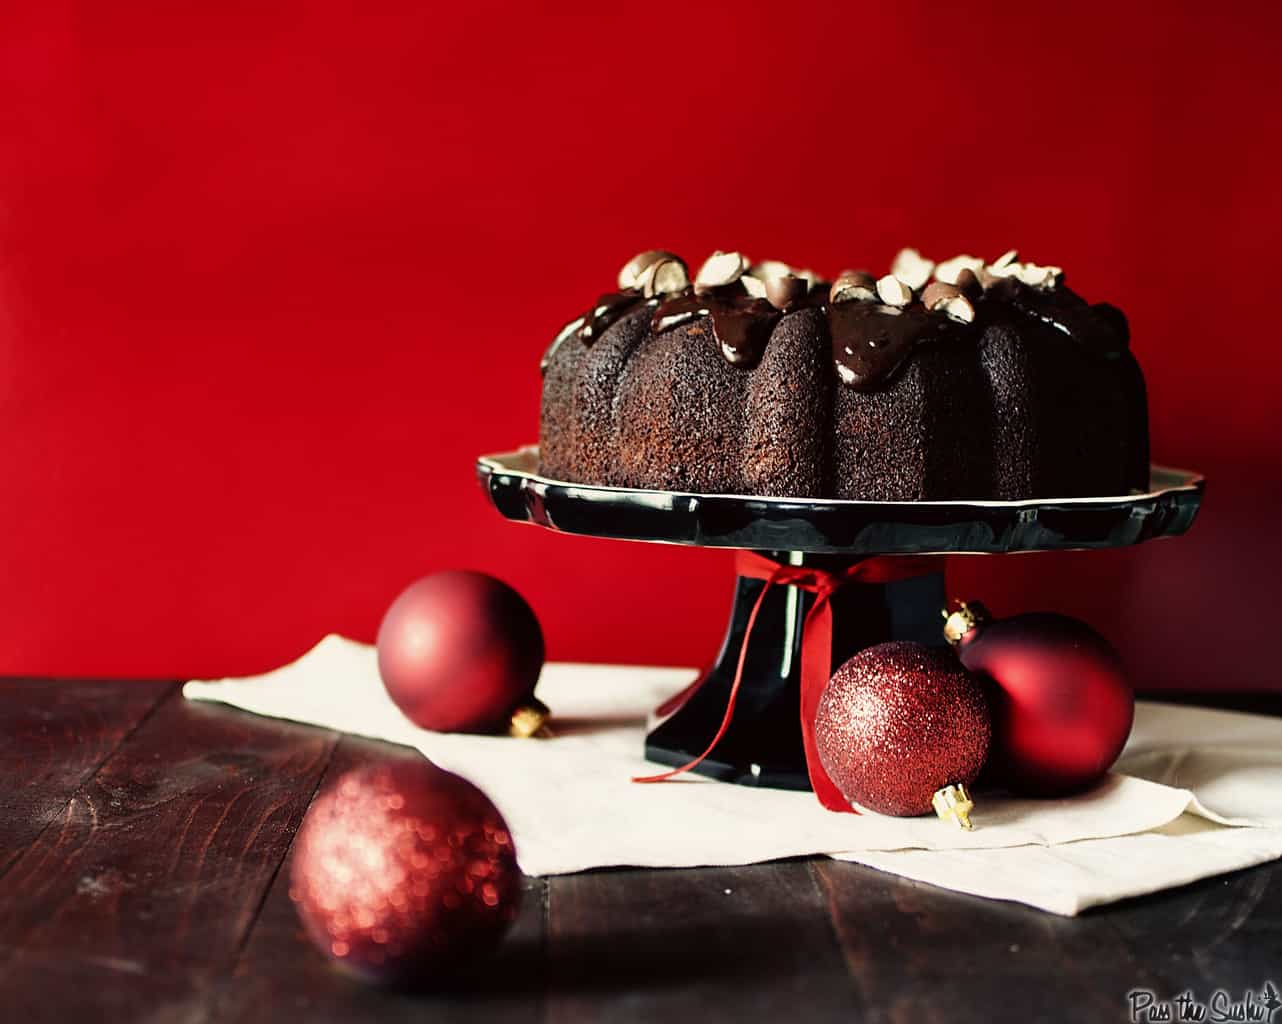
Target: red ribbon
x=816 y=646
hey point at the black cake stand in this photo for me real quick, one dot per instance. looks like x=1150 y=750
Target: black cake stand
x=763 y=745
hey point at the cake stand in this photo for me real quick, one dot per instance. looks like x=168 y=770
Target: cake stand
x=763 y=745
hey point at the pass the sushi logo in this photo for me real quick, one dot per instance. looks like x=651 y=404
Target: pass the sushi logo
x=1220 y=1007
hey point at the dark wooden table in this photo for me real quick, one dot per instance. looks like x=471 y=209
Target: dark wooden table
x=142 y=841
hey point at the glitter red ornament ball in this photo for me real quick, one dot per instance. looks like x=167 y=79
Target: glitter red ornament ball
x=1062 y=704
x=402 y=871
x=461 y=652
x=899 y=723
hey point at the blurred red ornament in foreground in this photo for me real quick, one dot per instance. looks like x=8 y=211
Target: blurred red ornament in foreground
x=403 y=871
x=1062 y=705
x=899 y=723
x=461 y=652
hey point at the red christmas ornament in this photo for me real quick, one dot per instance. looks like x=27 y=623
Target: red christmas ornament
x=1062 y=705
x=902 y=728
x=460 y=652
x=401 y=871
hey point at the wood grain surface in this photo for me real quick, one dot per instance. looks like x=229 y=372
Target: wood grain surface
x=54 y=736
x=144 y=876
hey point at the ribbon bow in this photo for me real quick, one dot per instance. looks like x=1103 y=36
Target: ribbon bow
x=816 y=646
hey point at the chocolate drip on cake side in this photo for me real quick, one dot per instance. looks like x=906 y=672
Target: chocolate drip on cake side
x=587 y=327
x=741 y=324
x=871 y=341
x=1100 y=329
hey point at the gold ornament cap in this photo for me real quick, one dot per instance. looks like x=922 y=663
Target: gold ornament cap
x=961 y=619
x=528 y=718
x=954 y=802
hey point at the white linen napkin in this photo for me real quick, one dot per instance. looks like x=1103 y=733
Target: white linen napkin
x=1190 y=796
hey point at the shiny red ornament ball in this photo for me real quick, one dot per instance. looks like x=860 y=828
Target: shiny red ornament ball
x=402 y=871
x=897 y=723
x=459 y=651
x=1062 y=703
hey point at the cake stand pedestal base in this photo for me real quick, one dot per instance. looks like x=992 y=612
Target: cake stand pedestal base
x=763 y=745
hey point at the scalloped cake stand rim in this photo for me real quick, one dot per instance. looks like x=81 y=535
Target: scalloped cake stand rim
x=830 y=525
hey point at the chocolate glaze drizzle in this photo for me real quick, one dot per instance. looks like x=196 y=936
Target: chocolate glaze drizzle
x=870 y=341
x=1100 y=329
x=589 y=326
x=605 y=311
x=740 y=323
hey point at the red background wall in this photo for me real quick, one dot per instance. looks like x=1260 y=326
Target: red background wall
x=269 y=282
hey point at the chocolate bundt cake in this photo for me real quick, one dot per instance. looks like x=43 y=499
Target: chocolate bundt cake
x=952 y=380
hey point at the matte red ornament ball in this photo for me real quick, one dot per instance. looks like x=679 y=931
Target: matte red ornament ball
x=458 y=651
x=402 y=872
x=1062 y=703
x=899 y=721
